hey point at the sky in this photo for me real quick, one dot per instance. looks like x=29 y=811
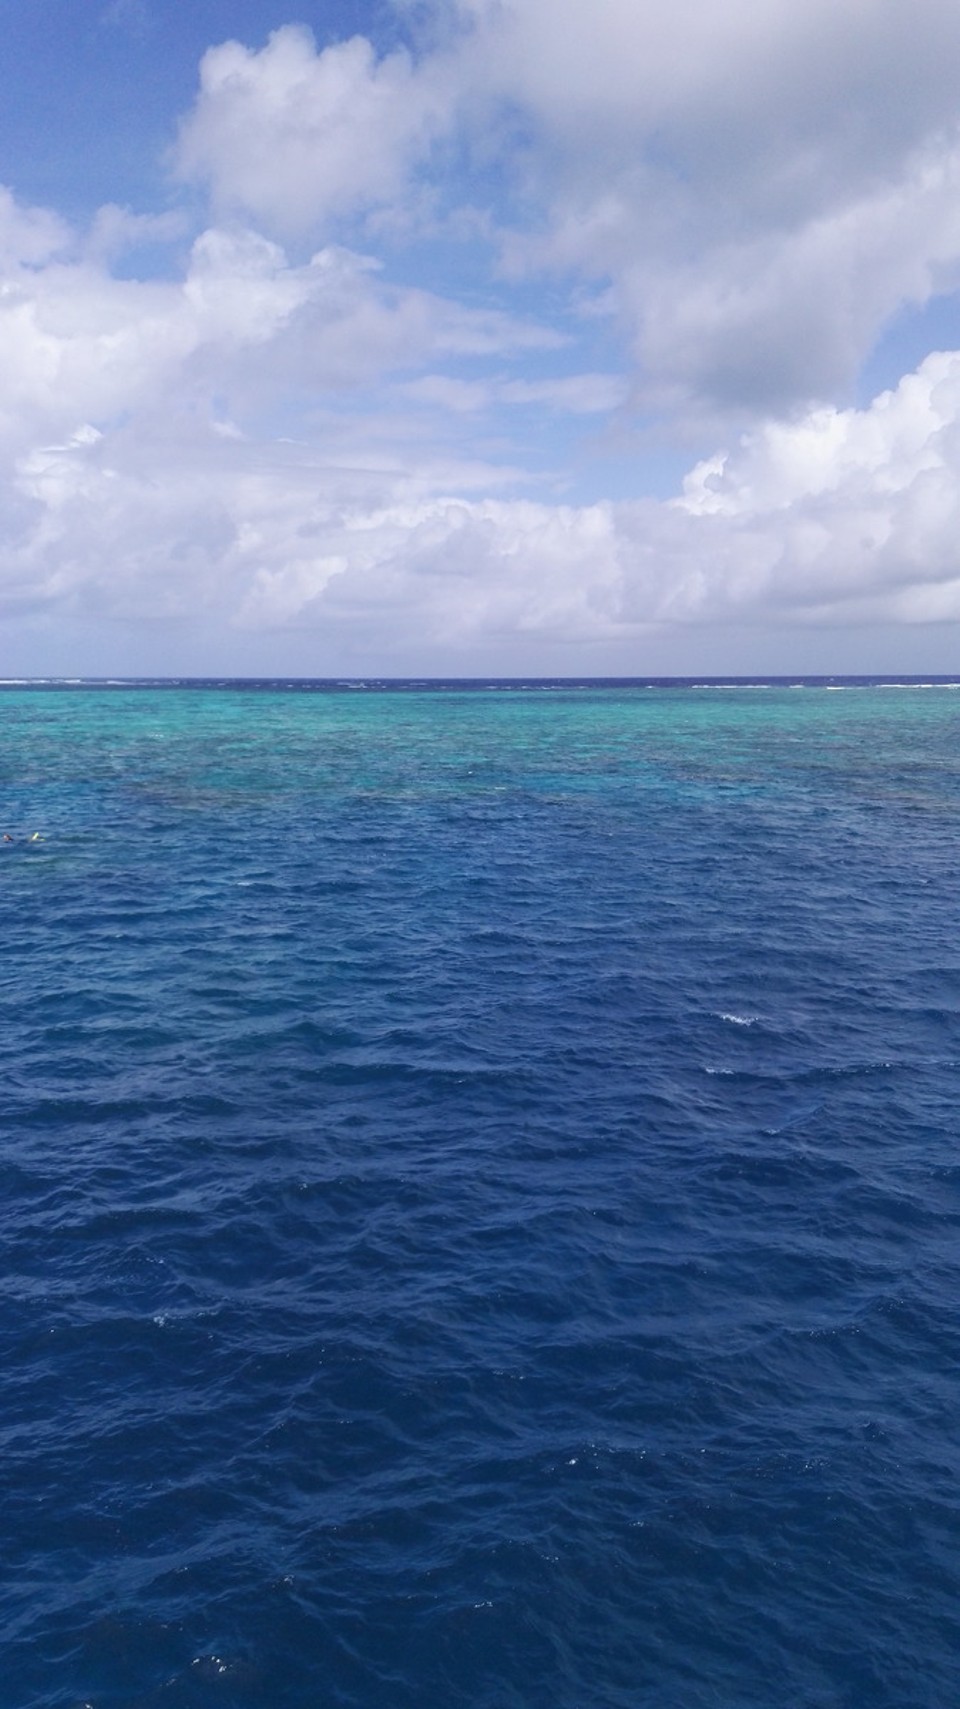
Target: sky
x=479 y=337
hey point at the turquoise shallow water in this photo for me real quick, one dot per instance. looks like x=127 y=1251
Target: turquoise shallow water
x=480 y=1193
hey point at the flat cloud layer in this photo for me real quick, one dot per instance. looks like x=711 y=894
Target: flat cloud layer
x=272 y=437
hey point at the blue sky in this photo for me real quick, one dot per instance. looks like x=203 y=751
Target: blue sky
x=479 y=336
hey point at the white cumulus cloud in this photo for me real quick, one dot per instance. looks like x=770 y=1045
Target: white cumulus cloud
x=762 y=186
x=294 y=137
x=273 y=436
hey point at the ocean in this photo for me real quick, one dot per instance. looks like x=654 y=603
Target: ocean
x=480 y=1195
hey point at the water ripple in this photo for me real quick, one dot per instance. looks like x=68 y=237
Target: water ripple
x=480 y=1200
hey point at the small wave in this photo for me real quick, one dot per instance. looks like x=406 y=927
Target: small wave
x=376 y=1250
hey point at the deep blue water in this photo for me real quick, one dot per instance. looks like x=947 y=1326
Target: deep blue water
x=481 y=1194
